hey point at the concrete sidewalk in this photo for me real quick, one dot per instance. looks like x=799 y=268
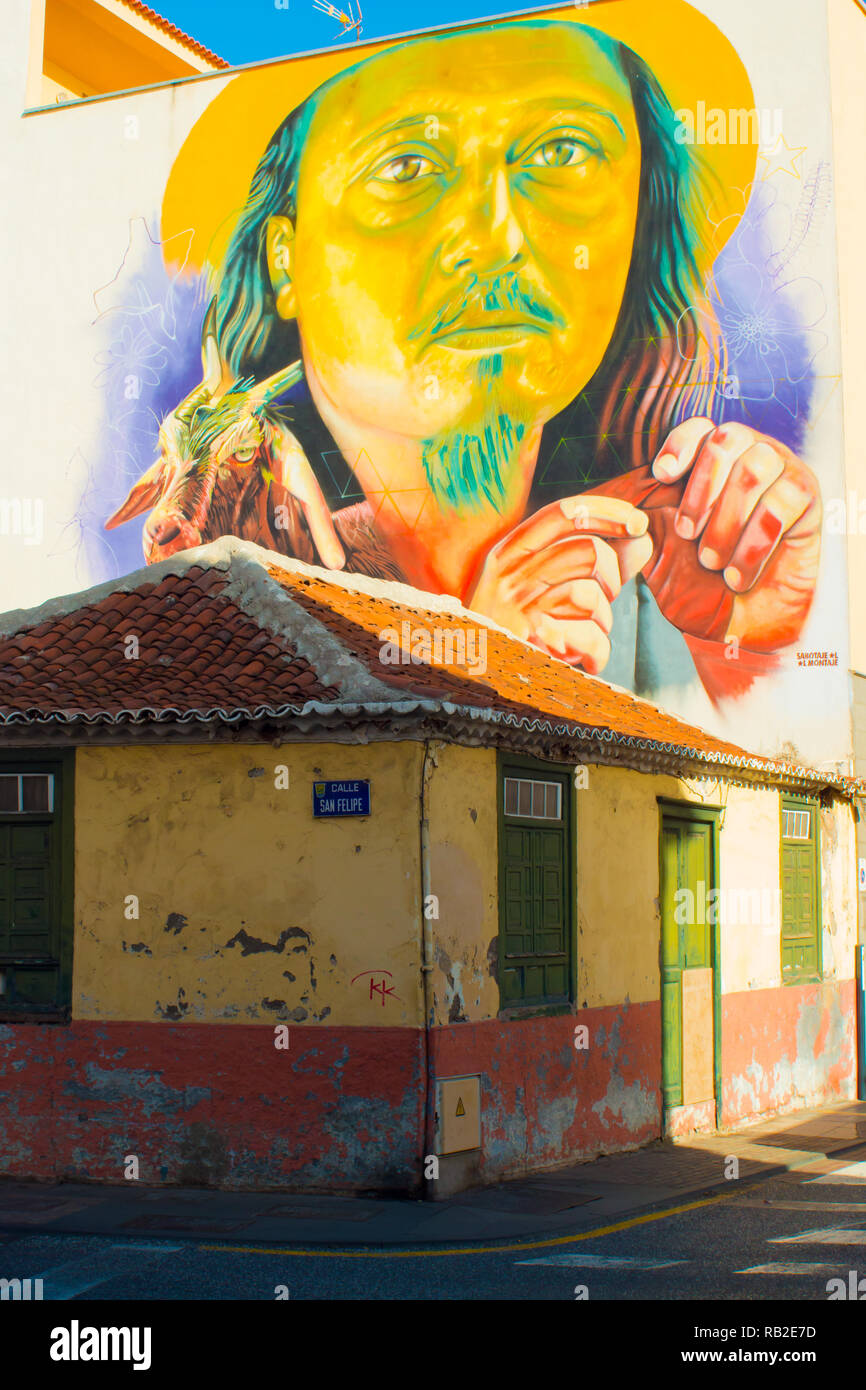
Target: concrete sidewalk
x=565 y=1201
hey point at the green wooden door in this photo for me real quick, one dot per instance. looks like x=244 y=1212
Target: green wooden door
x=687 y=939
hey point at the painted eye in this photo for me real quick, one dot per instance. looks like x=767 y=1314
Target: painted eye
x=245 y=455
x=405 y=168
x=557 y=154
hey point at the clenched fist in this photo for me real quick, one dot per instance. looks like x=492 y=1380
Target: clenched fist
x=735 y=519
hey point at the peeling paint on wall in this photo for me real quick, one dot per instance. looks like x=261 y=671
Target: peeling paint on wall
x=207 y=1105
x=544 y=1103
x=787 y=1049
x=248 y=914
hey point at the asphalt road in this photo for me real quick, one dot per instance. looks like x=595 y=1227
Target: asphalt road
x=782 y=1239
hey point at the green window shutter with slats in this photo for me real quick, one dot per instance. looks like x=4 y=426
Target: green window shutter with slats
x=36 y=881
x=535 y=890
x=801 y=940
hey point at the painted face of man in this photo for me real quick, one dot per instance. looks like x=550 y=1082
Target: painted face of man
x=466 y=214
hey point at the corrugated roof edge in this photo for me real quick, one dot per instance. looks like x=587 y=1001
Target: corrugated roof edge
x=321 y=717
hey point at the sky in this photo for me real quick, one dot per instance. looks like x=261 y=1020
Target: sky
x=247 y=31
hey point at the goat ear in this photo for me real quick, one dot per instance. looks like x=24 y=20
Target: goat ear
x=142 y=495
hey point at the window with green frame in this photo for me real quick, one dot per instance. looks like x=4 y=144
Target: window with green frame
x=36 y=868
x=535 y=884
x=801 y=891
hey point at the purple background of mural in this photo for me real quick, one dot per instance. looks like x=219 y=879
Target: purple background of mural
x=769 y=315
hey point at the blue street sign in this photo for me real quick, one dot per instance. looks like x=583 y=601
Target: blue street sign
x=341 y=798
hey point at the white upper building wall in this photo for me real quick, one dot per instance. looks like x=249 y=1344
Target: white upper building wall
x=83 y=187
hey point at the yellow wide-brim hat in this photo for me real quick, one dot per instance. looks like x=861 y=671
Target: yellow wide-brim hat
x=692 y=59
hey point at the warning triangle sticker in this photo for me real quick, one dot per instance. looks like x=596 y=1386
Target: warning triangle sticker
x=460 y=1109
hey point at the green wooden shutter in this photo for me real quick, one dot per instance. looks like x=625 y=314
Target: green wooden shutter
x=26 y=890
x=35 y=890
x=535 y=896
x=801 y=943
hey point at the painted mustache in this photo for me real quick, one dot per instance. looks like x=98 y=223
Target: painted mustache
x=496 y=295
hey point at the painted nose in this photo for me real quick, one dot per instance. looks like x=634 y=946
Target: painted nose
x=163 y=530
x=166 y=535
x=487 y=237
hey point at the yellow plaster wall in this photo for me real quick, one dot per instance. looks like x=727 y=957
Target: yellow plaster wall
x=463 y=868
x=200 y=833
x=617 y=886
x=749 y=877
x=617 y=830
x=749 y=851
x=839 y=889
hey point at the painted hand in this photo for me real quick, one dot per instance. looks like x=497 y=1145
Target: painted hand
x=735 y=519
x=553 y=578
x=750 y=512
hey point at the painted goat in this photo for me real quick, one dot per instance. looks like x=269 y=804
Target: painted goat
x=229 y=465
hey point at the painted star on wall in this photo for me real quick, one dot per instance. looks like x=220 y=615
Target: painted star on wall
x=781 y=158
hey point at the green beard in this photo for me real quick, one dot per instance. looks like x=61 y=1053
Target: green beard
x=465 y=467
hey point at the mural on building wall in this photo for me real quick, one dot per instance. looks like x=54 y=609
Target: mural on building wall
x=494 y=313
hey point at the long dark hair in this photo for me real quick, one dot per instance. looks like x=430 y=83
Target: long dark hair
x=661 y=365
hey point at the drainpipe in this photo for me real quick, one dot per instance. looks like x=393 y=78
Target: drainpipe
x=427 y=959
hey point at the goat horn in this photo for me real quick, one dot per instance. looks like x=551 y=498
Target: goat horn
x=275 y=385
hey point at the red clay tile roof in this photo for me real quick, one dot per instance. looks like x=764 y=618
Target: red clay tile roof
x=518 y=677
x=174 y=33
x=230 y=633
x=196 y=649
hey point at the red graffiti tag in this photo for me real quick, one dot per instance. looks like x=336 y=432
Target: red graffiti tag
x=379 y=987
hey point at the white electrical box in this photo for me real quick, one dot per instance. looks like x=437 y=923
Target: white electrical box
x=458 y=1111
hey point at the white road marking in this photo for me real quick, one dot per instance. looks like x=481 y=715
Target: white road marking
x=782 y=1268
x=854 y=1175
x=602 y=1261
x=801 y=1206
x=65 y=1281
x=839 y=1236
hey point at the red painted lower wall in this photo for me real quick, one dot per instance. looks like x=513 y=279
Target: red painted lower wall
x=342 y=1108
x=786 y=1049
x=217 y=1104
x=212 y=1104
x=543 y=1102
